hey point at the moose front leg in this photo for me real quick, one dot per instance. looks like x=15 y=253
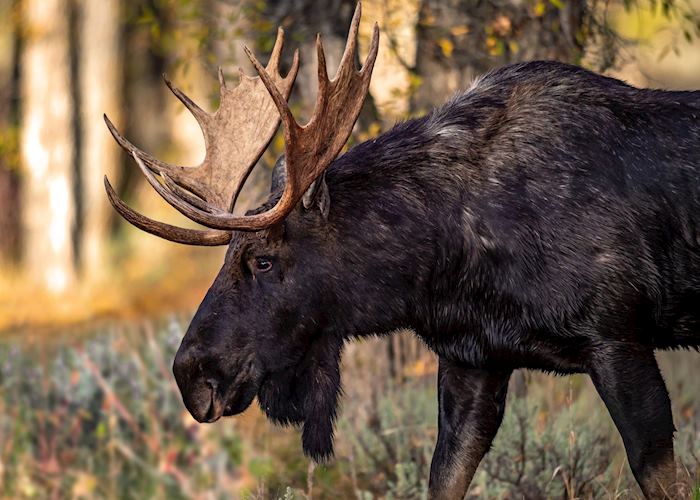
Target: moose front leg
x=630 y=383
x=471 y=405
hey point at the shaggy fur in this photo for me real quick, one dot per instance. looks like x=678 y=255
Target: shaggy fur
x=547 y=218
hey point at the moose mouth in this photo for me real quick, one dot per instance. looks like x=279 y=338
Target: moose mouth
x=216 y=399
x=227 y=403
x=238 y=402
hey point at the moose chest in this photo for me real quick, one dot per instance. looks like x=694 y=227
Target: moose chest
x=497 y=347
x=492 y=332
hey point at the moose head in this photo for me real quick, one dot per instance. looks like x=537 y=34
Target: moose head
x=262 y=330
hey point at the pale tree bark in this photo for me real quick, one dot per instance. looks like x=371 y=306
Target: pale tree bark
x=100 y=90
x=47 y=151
x=392 y=78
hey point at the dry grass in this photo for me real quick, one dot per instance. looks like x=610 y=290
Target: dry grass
x=144 y=286
x=101 y=417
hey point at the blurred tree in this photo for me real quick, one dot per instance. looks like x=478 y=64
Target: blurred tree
x=100 y=85
x=231 y=30
x=47 y=145
x=236 y=24
x=303 y=19
x=461 y=39
x=9 y=180
x=393 y=81
x=457 y=40
x=145 y=50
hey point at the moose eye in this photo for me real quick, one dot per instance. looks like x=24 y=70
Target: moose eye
x=263 y=264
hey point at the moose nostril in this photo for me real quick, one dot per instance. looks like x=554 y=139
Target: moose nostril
x=214 y=410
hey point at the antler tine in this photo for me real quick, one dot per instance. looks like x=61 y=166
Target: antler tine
x=212 y=220
x=190 y=198
x=274 y=62
x=222 y=80
x=200 y=115
x=373 y=51
x=294 y=68
x=176 y=202
x=322 y=67
x=347 y=61
x=176 y=172
x=277 y=97
x=209 y=237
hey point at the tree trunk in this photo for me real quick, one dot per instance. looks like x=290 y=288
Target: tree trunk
x=392 y=78
x=47 y=150
x=234 y=26
x=302 y=20
x=459 y=40
x=100 y=90
x=9 y=184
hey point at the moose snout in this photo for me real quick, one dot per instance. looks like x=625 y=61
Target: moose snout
x=200 y=393
x=211 y=389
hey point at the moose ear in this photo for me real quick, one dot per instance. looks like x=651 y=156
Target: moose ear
x=279 y=175
x=317 y=196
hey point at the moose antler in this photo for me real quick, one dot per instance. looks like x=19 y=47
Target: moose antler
x=235 y=137
x=309 y=149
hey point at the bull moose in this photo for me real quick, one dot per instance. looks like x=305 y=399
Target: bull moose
x=546 y=218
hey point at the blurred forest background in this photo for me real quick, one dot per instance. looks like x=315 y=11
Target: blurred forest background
x=92 y=310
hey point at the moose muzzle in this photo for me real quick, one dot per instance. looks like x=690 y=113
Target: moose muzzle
x=210 y=390
x=199 y=394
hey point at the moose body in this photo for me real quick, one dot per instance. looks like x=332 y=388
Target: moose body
x=558 y=229
x=547 y=218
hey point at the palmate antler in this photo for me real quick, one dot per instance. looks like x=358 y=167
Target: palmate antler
x=237 y=134
x=235 y=137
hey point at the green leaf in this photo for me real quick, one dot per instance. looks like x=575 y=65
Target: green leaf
x=101 y=430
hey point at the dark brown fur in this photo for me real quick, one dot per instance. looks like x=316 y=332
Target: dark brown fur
x=548 y=218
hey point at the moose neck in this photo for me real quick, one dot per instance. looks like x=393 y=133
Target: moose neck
x=402 y=201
